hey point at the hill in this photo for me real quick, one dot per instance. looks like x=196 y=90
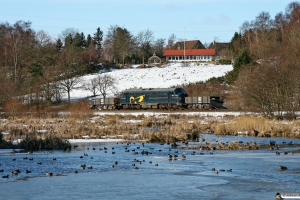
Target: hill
x=167 y=76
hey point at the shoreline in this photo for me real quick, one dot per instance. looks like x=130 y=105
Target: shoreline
x=74 y=141
x=230 y=146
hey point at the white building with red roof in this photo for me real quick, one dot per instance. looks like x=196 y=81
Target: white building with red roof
x=189 y=51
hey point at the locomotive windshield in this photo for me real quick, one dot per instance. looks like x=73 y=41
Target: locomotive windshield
x=179 y=91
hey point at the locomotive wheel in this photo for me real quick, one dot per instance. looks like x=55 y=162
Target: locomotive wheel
x=169 y=106
x=206 y=107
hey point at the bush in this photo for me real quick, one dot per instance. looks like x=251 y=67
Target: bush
x=224 y=62
x=154 y=138
x=50 y=143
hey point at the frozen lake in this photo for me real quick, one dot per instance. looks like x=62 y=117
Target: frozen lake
x=255 y=173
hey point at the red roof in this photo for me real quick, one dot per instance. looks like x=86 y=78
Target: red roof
x=190 y=52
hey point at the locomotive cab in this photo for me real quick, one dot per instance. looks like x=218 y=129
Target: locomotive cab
x=180 y=94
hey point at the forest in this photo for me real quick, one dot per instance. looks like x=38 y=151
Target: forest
x=265 y=52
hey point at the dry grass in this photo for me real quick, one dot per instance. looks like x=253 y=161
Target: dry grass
x=257 y=126
x=154 y=128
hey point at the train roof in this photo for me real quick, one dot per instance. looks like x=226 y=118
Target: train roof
x=150 y=90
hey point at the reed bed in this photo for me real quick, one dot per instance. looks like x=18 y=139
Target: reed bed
x=164 y=128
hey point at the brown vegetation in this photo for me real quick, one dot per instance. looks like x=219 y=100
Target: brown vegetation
x=163 y=128
x=269 y=80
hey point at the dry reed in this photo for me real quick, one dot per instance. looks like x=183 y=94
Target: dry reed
x=166 y=128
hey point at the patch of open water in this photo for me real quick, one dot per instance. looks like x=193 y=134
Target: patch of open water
x=255 y=173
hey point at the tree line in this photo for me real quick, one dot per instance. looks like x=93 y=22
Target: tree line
x=265 y=75
x=266 y=71
x=31 y=62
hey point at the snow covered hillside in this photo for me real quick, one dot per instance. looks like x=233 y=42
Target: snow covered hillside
x=167 y=76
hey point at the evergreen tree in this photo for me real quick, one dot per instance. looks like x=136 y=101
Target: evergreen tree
x=83 y=41
x=242 y=60
x=235 y=44
x=68 y=40
x=88 y=40
x=98 y=39
x=77 y=40
x=35 y=69
x=59 y=44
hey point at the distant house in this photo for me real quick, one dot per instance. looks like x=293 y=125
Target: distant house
x=189 y=51
x=191 y=55
x=222 y=50
x=190 y=44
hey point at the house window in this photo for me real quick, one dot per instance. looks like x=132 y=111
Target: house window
x=204 y=57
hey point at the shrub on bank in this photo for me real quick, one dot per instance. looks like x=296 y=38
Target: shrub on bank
x=49 y=143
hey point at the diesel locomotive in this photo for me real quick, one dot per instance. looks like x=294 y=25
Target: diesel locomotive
x=157 y=98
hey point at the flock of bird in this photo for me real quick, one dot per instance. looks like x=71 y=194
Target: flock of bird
x=17 y=171
x=172 y=152
x=135 y=149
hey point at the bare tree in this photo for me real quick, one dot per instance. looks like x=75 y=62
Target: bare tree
x=159 y=47
x=92 y=86
x=246 y=32
x=42 y=38
x=123 y=42
x=49 y=88
x=68 y=32
x=105 y=83
x=57 y=92
x=171 y=41
x=144 y=41
x=107 y=51
x=68 y=84
x=70 y=66
x=6 y=91
x=118 y=42
x=19 y=39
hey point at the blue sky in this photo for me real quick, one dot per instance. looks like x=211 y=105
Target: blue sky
x=204 y=20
